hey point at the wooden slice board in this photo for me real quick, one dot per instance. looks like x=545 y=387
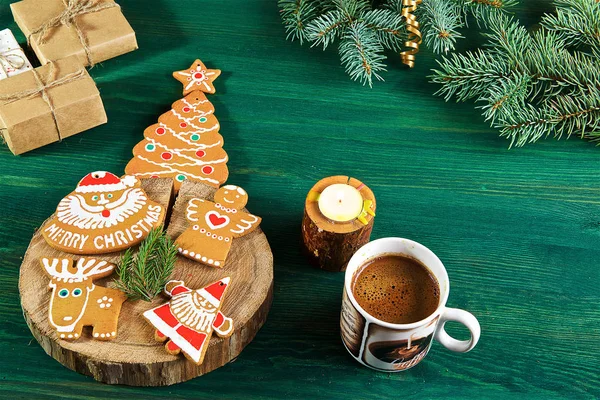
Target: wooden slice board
x=134 y=357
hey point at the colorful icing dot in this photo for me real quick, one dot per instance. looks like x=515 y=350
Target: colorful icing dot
x=200 y=153
x=207 y=169
x=150 y=147
x=180 y=177
x=183 y=124
x=199 y=75
x=203 y=119
x=166 y=156
x=195 y=137
x=154 y=176
x=160 y=131
x=186 y=109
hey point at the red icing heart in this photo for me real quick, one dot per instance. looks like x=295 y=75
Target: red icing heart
x=215 y=220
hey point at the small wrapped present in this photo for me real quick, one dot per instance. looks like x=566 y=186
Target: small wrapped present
x=12 y=58
x=93 y=30
x=47 y=104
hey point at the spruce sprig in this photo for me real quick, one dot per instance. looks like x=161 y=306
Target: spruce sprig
x=365 y=29
x=576 y=21
x=142 y=276
x=531 y=85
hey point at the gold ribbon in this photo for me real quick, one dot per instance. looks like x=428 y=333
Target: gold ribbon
x=42 y=89
x=414 y=35
x=73 y=8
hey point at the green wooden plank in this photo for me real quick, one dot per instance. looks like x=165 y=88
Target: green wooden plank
x=517 y=229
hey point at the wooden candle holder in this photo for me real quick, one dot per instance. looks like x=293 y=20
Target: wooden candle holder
x=328 y=244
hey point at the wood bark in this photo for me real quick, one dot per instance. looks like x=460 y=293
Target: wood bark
x=329 y=245
x=134 y=357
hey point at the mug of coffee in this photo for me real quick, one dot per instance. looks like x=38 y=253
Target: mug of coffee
x=394 y=304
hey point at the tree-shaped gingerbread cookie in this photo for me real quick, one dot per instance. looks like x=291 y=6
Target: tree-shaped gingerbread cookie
x=185 y=143
x=213 y=225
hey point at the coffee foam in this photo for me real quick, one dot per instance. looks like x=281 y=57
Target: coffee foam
x=396 y=289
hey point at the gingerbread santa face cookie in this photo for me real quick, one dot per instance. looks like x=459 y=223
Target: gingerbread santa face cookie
x=77 y=302
x=213 y=226
x=189 y=319
x=103 y=214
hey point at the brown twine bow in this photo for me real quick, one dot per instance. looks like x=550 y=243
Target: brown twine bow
x=42 y=89
x=73 y=8
x=4 y=59
x=414 y=36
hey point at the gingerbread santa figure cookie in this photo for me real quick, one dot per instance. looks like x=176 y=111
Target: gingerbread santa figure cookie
x=77 y=302
x=103 y=214
x=213 y=225
x=189 y=319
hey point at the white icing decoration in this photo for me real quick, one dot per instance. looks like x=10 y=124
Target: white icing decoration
x=73 y=210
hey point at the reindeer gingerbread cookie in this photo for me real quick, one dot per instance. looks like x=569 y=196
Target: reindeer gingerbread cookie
x=77 y=302
x=187 y=322
x=213 y=226
x=103 y=214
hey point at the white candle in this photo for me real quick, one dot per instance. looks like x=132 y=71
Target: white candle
x=340 y=202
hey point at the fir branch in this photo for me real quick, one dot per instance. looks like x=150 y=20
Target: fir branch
x=361 y=53
x=468 y=76
x=143 y=276
x=323 y=30
x=441 y=21
x=295 y=14
x=394 y=5
x=532 y=86
x=564 y=116
x=508 y=39
x=504 y=96
x=482 y=10
x=576 y=21
x=389 y=26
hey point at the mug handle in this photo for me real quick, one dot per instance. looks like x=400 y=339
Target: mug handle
x=465 y=318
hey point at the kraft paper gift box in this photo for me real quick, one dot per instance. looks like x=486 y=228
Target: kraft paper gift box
x=12 y=58
x=61 y=102
x=97 y=26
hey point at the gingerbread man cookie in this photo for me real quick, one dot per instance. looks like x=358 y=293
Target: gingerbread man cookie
x=103 y=214
x=76 y=302
x=213 y=225
x=189 y=319
x=184 y=144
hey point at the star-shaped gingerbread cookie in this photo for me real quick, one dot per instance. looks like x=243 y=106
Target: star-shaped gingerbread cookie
x=197 y=77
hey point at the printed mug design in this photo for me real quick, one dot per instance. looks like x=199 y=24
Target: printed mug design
x=397 y=354
x=352 y=326
x=383 y=348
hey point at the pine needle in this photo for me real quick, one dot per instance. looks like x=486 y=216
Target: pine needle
x=143 y=276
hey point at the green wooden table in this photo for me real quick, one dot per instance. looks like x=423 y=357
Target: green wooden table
x=518 y=230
